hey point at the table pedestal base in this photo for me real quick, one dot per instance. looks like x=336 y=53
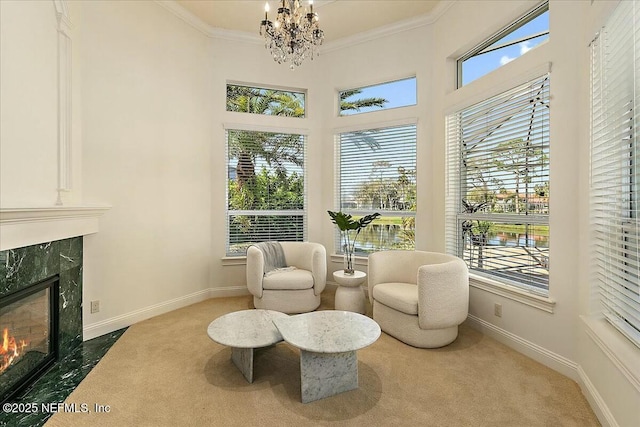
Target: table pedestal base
x=243 y=359
x=350 y=299
x=327 y=374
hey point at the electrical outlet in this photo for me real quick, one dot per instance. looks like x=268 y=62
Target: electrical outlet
x=95 y=306
x=497 y=310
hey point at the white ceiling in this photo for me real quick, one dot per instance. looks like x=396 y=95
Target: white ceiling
x=338 y=18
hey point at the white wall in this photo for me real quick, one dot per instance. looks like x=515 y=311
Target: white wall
x=29 y=104
x=147 y=124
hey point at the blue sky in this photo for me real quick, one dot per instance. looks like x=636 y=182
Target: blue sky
x=482 y=64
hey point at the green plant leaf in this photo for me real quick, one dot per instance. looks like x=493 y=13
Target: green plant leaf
x=367 y=219
x=344 y=221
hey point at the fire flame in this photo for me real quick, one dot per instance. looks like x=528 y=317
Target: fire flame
x=9 y=350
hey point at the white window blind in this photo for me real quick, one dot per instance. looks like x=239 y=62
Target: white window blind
x=376 y=172
x=615 y=175
x=265 y=188
x=498 y=186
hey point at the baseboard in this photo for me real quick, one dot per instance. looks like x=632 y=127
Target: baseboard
x=228 y=291
x=331 y=286
x=118 y=322
x=595 y=400
x=540 y=354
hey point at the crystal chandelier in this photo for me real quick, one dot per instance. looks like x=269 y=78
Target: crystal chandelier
x=294 y=35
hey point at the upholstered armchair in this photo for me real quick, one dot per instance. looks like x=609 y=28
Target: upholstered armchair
x=288 y=290
x=419 y=297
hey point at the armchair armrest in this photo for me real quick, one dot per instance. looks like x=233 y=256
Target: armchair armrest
x=443 y=294
x=319 y=268
x=255 y=270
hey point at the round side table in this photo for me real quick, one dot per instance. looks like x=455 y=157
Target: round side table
x=349 y=295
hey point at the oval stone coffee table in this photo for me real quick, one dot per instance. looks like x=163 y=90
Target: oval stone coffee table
x=245 y=331
x=328 y=341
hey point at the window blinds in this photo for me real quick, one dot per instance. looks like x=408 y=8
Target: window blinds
x=372 y=162
x=266 y=197
x=505 y=146
x=615 y=175
x=376 y=172
x=498 y=185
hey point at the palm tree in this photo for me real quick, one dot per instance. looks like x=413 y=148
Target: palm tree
x=275 y=149
x=347 y=104
x=477 y=232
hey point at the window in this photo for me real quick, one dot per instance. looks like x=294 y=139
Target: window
x=265 y=188
x=615 y=174
x=498 y=186
x=399 y=93
x=377 y=173
x=270 y=102
x=513 y=41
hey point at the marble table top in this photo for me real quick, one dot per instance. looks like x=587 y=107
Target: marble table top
x=246 y=328
x=328 y=331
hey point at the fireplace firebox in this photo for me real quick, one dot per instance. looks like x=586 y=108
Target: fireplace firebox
x=28 y=335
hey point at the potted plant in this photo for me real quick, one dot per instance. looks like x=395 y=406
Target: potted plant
x=347 y=224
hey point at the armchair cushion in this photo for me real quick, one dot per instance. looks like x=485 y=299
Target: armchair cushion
x=399 y=296
x=288 y=280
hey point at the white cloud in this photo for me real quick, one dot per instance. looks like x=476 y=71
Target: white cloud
x=525 y=47
x=505 y=60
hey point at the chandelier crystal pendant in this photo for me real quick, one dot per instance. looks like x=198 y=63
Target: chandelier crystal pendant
x=294 y=35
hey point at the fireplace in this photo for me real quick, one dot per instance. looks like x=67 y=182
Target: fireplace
x=28 y=335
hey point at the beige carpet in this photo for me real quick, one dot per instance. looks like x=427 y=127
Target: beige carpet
x=167 y=372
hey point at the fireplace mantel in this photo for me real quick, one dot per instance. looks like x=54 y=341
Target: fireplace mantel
x=21 y=227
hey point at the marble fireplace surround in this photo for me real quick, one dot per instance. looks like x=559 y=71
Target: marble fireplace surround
x=22 y=267
x=38 y=243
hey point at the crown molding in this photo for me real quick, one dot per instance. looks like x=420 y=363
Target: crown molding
x=388 y=30
x=244 y=37
x=236 y=36
x=186 y=16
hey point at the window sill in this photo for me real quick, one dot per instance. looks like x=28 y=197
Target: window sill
x=512 y=293
x=622 y=352
x=234 y=260
x=357 y=260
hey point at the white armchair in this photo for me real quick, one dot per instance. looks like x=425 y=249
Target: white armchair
x=419 y=297
x=289 y=291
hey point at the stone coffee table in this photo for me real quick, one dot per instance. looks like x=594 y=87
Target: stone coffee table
x=245 y=331
x=328 y=341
